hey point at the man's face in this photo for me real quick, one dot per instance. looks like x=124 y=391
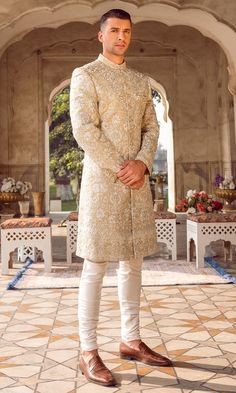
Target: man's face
x=115 y=36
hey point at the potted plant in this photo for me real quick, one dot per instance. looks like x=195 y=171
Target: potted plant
x=198 y=202
x=12 y=190
x=226 y=189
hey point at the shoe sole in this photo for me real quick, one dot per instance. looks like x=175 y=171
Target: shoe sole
x=128 y=357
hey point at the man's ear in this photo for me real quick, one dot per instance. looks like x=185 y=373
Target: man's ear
x=100 y=36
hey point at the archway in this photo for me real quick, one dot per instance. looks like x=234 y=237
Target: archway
x=165 y=137
x=50 y=65
x=54 y=92
x=168 y=14
x=63 y=158
x=166 y=140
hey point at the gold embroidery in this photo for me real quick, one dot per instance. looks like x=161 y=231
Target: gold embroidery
x=113 y=119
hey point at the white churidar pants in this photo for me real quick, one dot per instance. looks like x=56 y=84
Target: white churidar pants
x=129 y=289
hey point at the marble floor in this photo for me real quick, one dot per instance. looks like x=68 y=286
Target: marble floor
x=193 y=325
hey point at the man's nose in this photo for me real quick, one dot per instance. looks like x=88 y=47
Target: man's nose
x=121 y=35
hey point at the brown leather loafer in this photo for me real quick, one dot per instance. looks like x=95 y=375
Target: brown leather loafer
x=95 y=371
x=144 y=354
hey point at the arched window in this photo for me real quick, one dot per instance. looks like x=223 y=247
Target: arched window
x=64 y=158
x=163 y=166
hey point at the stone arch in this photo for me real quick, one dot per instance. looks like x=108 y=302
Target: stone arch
x=41 y=45
x=170 y=152
x=170 y=15
x=53 y=93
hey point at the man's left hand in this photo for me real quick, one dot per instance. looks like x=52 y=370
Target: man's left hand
x=131 y=172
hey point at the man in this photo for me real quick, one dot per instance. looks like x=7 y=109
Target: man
x=114 y=122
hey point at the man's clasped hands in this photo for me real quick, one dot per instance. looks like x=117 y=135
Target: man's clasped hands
x=132 y=174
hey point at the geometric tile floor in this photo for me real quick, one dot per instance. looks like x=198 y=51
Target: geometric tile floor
x=194 y=325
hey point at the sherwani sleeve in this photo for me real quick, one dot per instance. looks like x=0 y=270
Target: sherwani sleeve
x=149 y=134
x=86 y=124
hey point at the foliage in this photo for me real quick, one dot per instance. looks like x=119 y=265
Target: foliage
x=66 y=157
x=198 y=202
x=69 y=206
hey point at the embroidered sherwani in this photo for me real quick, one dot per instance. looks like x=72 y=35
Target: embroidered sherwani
x=113 y=120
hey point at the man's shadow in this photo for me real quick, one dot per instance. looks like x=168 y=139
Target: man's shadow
x=181 y=383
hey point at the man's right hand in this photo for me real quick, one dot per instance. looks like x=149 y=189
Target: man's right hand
x=138 y=184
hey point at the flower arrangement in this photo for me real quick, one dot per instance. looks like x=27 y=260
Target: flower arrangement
x=198 y=202
x=11 y=185
x=225 y=183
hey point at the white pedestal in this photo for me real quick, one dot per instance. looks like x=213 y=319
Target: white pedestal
x=55 y=205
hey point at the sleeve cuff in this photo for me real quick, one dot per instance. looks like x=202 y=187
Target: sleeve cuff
x=146 y=162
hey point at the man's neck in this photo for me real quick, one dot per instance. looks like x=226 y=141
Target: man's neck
x=115 y=59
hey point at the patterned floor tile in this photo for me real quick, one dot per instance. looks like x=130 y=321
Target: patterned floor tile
x=216 y=364
x=41 y=321
x=34 y=342
x=225 y=337
x=5 y=381
x=65 y=330
x=63 y=343
x=27 y=358
x=11 y=337
x=126 y=374
x=158 y=378
x=176 y=330
x=11 y=350
x=162 y=311
x=56 y=386
x=214 y=324
x=194 y=325
x=19 y=371
x=190 y=373
x=222 y=384
x=174 y=345
x=200 y=335
x=58 y=372
x=18 y=389
x=163 y=390
x=68 y=319
x=208 y=351
x=61 y=356
x=190 y=317
x=228 y=347
x=88 y=388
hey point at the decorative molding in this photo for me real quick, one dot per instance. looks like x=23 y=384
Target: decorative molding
x=171 y=15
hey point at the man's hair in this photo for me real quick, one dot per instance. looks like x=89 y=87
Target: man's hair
x=115 y=13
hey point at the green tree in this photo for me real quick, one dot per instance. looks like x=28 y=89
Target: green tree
x=66 y=158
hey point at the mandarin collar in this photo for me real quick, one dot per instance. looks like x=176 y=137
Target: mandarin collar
x=110 y=63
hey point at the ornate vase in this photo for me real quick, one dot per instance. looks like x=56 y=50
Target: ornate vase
x=228 y=196
x=24 y=208
x=8 y=201
x=38 y=199
x=8 y=197
x=159 y=205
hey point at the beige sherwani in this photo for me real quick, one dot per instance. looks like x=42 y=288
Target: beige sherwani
x=113 y=120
